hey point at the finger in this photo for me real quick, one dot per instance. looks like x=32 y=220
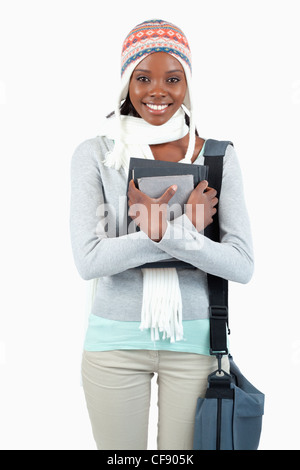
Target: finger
x=130 y=213
x=134 y=194
x=211 y=193
x=214 y=201
x=133 y=213
x=201 y=187
x=131 y=187
x=168 y=194
x=131 y=199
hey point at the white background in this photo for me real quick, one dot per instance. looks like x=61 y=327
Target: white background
x=59 y=76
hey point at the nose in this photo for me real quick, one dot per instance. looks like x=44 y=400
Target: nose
x=157 y=90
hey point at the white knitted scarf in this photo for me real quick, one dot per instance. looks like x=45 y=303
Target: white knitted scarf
x=162 y=303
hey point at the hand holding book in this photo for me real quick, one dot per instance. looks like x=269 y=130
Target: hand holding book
x=200 y=207
x=151 y=214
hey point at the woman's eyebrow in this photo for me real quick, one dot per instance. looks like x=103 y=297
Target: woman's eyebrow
x=175 y=71
x=142 y=70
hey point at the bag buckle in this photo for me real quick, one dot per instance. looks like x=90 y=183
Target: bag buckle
x=218 y=338
x=218 y=311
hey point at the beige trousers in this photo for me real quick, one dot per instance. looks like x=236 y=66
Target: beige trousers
x=117 y=390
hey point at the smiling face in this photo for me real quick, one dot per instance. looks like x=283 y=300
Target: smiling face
x=157 y=88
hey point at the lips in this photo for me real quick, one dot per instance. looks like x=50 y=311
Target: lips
x=157 y=108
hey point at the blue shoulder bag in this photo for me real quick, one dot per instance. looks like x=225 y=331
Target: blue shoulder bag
x=230 y=415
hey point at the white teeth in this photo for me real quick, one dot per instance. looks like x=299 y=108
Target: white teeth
x=157 y=107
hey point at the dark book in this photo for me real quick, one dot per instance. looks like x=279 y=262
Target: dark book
x=154 y=177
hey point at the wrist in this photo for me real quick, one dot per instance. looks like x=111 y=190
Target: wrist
x=159 y=226
x=188 y=210
x=195 y=213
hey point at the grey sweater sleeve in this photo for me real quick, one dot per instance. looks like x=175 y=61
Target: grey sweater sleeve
x=96 y=254
x=232 y=258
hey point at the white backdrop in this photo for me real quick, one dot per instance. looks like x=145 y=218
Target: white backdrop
x=58 y=77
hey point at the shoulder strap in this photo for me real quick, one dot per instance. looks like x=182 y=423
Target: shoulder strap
x=218 y=287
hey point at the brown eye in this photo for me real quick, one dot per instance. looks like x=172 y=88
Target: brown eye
x=143 y=79
x=173 y=80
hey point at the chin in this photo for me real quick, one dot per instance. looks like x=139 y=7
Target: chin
x=156 y=120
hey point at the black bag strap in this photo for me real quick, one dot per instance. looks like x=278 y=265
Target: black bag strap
x=217 y=287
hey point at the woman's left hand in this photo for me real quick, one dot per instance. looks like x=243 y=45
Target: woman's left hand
x=150 y=214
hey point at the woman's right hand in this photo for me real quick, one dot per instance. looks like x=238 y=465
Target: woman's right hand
x=200 y=207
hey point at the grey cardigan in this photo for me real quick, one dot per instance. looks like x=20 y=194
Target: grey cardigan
x=102 y=250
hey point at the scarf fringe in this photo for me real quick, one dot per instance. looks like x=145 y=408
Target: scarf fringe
x=162 y=304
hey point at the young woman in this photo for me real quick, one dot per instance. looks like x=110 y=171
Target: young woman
x=146 y=321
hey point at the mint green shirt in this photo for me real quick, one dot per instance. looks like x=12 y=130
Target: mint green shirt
x=104 y=335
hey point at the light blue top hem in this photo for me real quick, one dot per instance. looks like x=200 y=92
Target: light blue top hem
x=105 y=335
